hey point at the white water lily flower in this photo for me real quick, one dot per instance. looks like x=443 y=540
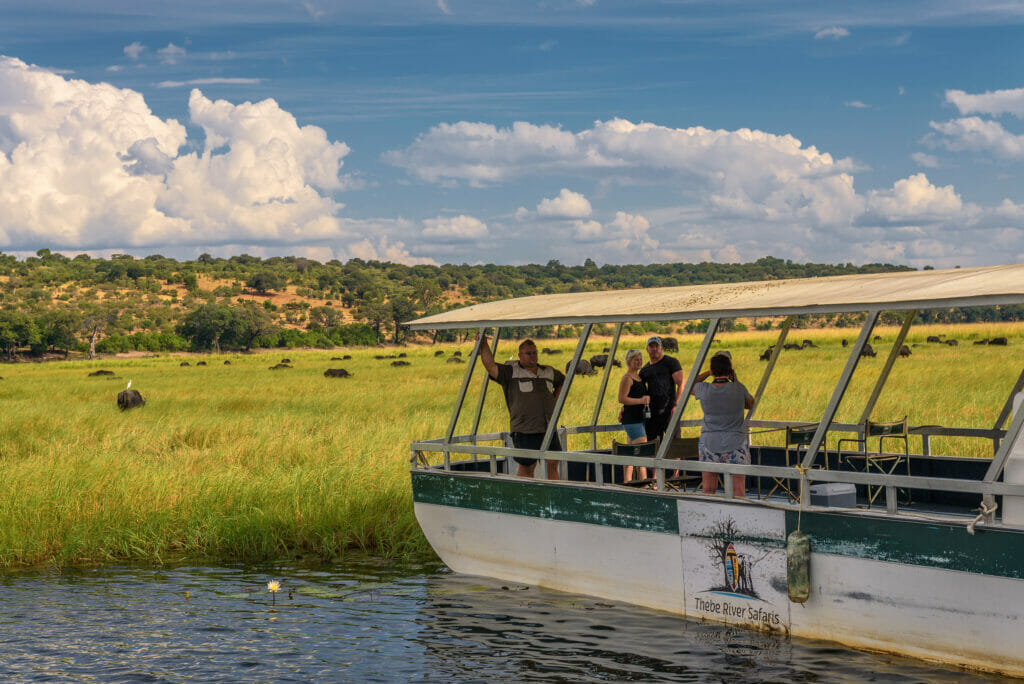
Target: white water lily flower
x=273 y=586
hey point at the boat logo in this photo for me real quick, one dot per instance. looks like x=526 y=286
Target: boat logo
x=736 y=566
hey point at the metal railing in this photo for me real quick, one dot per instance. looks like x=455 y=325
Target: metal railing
x=470 y=445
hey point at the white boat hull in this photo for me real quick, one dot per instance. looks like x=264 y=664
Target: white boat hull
x=726 y=561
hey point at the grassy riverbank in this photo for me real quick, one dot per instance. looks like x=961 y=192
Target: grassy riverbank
x=241 y=462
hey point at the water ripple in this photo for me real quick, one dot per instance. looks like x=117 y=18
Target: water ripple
x=365 y=621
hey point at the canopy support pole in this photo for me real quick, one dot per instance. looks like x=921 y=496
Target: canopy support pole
x=999 y=460
x=883 y=377
x=776 y=351
x=1008 y=406
x=483 y=391
x=838 y=392
x=604 y=386
x=673 y=423
x=462 y=396
x=570 y=372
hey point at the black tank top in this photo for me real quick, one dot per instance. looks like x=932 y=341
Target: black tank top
x=634 y=413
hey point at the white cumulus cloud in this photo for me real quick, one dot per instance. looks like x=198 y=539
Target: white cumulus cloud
x=586 y=231
x=917 y=199
x=568 y=204
x=975 y=134
x=991 y=102
x=745 y=172
x=88 y=166
x=454 y=228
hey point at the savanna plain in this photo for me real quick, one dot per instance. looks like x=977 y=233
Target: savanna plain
x=234 y=461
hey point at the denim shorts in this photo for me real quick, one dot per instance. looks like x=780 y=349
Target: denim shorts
x=634 y=430
x=740 y=456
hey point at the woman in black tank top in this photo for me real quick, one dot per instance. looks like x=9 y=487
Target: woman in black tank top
x=634 y=399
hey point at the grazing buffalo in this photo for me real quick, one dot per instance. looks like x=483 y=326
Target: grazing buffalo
x=606 y=350
x=337 y=373
x=226 y=362
x=100 y=372
x=846 y=343
x=129 y=399
x=554 y=352
x=868 y=350
x=582 y=368
x=402 y=355
x=807 y=343
x=286 y=360
x=545 y=350
x=985 y=341
x=933 y=338
x=999 y=341
x=201 y=363
x=400 y=363
x=766 y=354
x=456 y=353
x=601 y=360
x=670 y=344
x=952 y=343
x=439 y=352
x=453 y=359
x=184 y=363
x=791 y=345
x=904 y=351
x=280 y=366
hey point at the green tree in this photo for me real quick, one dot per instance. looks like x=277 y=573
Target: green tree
x=58 y=327
x=205 y=326
x=254 y=322
x=17 y=330
x=265 y=281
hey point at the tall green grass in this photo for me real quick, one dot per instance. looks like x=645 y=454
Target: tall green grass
x=241 y=462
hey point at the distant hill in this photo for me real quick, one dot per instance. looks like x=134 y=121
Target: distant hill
x=54 y=304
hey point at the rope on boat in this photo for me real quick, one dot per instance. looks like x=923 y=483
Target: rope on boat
x=803 y=488
x=985 y=511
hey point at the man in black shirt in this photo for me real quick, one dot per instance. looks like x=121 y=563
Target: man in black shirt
x=664 y=378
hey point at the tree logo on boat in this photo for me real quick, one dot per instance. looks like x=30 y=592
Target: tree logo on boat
x=736 y=565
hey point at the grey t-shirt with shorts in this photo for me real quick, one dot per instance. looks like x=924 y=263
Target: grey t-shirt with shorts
x=722 y=430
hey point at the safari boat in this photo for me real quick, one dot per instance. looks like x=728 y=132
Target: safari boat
x=845 y=533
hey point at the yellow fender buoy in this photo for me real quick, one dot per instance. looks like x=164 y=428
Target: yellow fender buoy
x=798 y=566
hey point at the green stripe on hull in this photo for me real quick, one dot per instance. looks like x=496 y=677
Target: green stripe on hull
x=988 y=552
x=548 y=501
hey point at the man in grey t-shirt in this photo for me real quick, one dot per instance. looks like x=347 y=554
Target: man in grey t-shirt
x=530 y=393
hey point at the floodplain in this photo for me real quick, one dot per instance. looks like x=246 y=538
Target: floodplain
x=234 y=461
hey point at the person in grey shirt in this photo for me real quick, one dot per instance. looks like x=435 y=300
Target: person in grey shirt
x=723 y=434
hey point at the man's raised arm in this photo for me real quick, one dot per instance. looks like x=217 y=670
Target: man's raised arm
x=487 y=357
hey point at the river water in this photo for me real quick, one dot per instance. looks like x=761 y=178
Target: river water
x=367 y=621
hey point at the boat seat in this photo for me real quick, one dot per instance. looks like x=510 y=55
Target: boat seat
x=879 y=460
x=642 y=450
x=683 y=449
x=798 y=438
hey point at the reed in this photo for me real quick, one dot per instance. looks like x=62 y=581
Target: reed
x=240 y=462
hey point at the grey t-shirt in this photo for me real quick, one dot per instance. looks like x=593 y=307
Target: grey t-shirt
x=723 y=430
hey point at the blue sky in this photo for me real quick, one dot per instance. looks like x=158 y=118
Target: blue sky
x=449 y=131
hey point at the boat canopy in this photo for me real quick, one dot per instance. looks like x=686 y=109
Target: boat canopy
x=904 y=290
